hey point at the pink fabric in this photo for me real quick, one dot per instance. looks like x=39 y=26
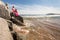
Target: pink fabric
x=16 y=14
x=15 y=11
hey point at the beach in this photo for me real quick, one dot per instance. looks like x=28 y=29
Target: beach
x=43 y=28
x=35 y=29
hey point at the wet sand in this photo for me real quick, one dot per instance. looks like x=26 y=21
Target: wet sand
x=43 y=29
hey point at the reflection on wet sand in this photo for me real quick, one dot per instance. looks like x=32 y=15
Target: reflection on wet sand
x=43 y=29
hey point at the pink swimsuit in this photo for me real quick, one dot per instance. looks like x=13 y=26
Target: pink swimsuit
x=15 y=11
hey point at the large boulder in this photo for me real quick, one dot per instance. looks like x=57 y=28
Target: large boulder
x=4 y=13
x=4 y=30
x=1 y=3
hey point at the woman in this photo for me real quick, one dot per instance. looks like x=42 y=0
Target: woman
x=15 y=14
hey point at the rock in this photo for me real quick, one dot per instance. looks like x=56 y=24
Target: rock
x=1 y=3
x=21 y=32
x=4 y=13
x=4 y=30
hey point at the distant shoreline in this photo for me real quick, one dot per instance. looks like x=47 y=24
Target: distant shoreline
x=41 y=16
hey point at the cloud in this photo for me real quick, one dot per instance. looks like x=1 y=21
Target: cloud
x=35 y=9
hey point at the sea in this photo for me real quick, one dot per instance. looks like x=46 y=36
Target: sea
x=40 y=15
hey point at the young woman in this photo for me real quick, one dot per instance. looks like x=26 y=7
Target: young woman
x=15 y=14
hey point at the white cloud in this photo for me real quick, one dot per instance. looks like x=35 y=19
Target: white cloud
x=35 y=9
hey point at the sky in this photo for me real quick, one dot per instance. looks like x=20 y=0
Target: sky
x=35 y=6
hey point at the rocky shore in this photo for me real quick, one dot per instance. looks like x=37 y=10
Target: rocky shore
x=5 y=33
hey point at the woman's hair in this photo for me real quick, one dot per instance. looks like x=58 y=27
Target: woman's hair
x=12 y=6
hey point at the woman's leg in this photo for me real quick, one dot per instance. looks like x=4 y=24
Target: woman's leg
x=20 y=19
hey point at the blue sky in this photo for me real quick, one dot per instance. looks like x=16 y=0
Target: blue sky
x=31 y=6
x=33 y=2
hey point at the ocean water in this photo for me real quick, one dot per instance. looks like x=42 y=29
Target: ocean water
x=43 y=16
